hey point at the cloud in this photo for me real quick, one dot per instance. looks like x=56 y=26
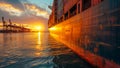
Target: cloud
x=22 y=7
x=35 y=10
x=16 y=3
x=10 y=9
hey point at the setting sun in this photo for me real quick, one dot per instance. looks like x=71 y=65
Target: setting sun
x=38 y=28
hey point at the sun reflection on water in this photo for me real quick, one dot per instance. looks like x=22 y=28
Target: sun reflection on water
x=39 y=44
x=39 y=38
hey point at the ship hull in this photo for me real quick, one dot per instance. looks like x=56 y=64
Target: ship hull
x=93 y=34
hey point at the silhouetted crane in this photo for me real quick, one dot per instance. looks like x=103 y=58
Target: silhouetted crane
x=4 y=23
x=10 y=24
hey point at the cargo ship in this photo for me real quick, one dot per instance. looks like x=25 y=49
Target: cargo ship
x=91 y=28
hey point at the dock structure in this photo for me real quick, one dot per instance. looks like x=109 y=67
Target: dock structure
x=10 y=27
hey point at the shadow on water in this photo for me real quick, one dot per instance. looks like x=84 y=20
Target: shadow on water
x=36 y=50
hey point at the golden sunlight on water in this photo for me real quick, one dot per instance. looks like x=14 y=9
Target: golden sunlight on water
x=39 y=38
x=39 y=44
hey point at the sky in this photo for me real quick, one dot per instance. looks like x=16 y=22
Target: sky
x=27 y=12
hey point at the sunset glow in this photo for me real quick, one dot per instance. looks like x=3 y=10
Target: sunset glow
x=37 y=28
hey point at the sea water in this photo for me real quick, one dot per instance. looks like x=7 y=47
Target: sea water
x=36 y=50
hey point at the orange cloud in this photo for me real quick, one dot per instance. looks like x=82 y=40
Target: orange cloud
x=10 y=9
x=33 y=9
